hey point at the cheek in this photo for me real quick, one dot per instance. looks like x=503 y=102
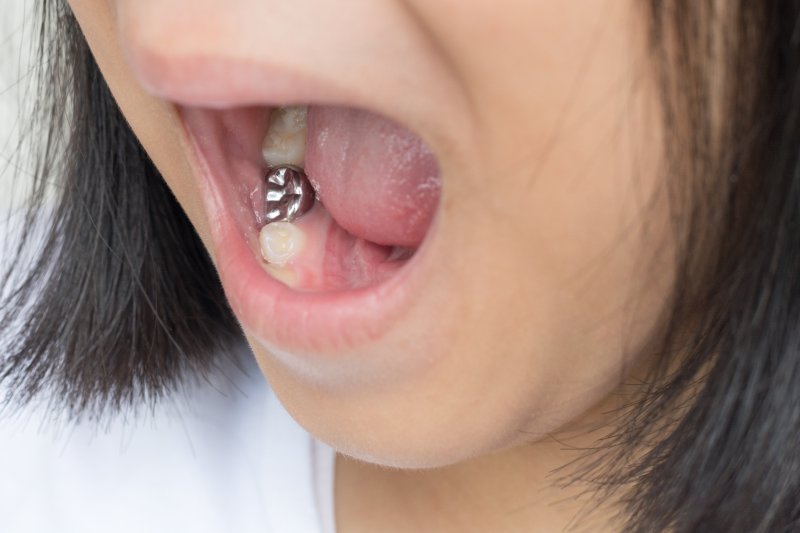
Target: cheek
x=154 y=122
x=567 y=209
x=559 y=233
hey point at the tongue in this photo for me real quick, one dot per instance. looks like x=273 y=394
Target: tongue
x=378 y=180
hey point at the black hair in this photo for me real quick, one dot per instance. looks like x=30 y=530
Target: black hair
x=719 y=416
x=121 y=302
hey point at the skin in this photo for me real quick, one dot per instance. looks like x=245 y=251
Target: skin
x=558 y=270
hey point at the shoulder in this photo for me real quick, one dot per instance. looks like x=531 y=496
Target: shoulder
x=222 y=456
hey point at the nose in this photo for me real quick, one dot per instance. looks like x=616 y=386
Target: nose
x=224 y=52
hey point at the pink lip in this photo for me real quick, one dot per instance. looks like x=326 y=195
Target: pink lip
x=300 y=323
x=228 y=82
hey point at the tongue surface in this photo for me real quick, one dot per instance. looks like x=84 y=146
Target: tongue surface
x=378 y=180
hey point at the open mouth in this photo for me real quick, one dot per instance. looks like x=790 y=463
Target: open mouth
x=342 y=271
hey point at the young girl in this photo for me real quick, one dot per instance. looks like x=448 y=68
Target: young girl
x=527 y=266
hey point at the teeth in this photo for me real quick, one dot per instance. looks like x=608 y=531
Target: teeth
x=285 y=143
x=285 y=275
x=280 y=242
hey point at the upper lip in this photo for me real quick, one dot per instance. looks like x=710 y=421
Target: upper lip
x=216 y=82
x=190 y=71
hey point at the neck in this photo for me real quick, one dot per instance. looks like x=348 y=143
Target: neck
x=519 y=489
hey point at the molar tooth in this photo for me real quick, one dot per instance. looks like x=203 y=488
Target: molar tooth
x=280 y=242
x=285 y=142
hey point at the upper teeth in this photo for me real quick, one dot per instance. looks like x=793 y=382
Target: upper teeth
x=288 y=193
x=285 y=142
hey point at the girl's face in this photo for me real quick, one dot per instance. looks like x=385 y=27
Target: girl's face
x=542 y=275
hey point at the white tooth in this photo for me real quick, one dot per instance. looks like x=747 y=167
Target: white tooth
x=280 y=242
x=285 y=142
x=286 y=275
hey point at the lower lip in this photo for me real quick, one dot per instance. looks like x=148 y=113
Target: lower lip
x=282 y=319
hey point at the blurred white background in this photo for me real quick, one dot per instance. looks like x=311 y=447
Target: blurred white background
x=16 y=49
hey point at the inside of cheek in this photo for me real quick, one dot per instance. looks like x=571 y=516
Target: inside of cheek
x=331 y=259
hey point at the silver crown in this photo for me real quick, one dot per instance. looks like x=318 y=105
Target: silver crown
x=289 y=194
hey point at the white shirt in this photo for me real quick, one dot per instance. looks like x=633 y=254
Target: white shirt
x=223 y=457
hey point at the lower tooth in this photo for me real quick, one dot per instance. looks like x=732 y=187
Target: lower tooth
x=285 y=275
x=280 y=242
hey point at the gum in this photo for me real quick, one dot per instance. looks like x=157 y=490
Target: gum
x=330 y=258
